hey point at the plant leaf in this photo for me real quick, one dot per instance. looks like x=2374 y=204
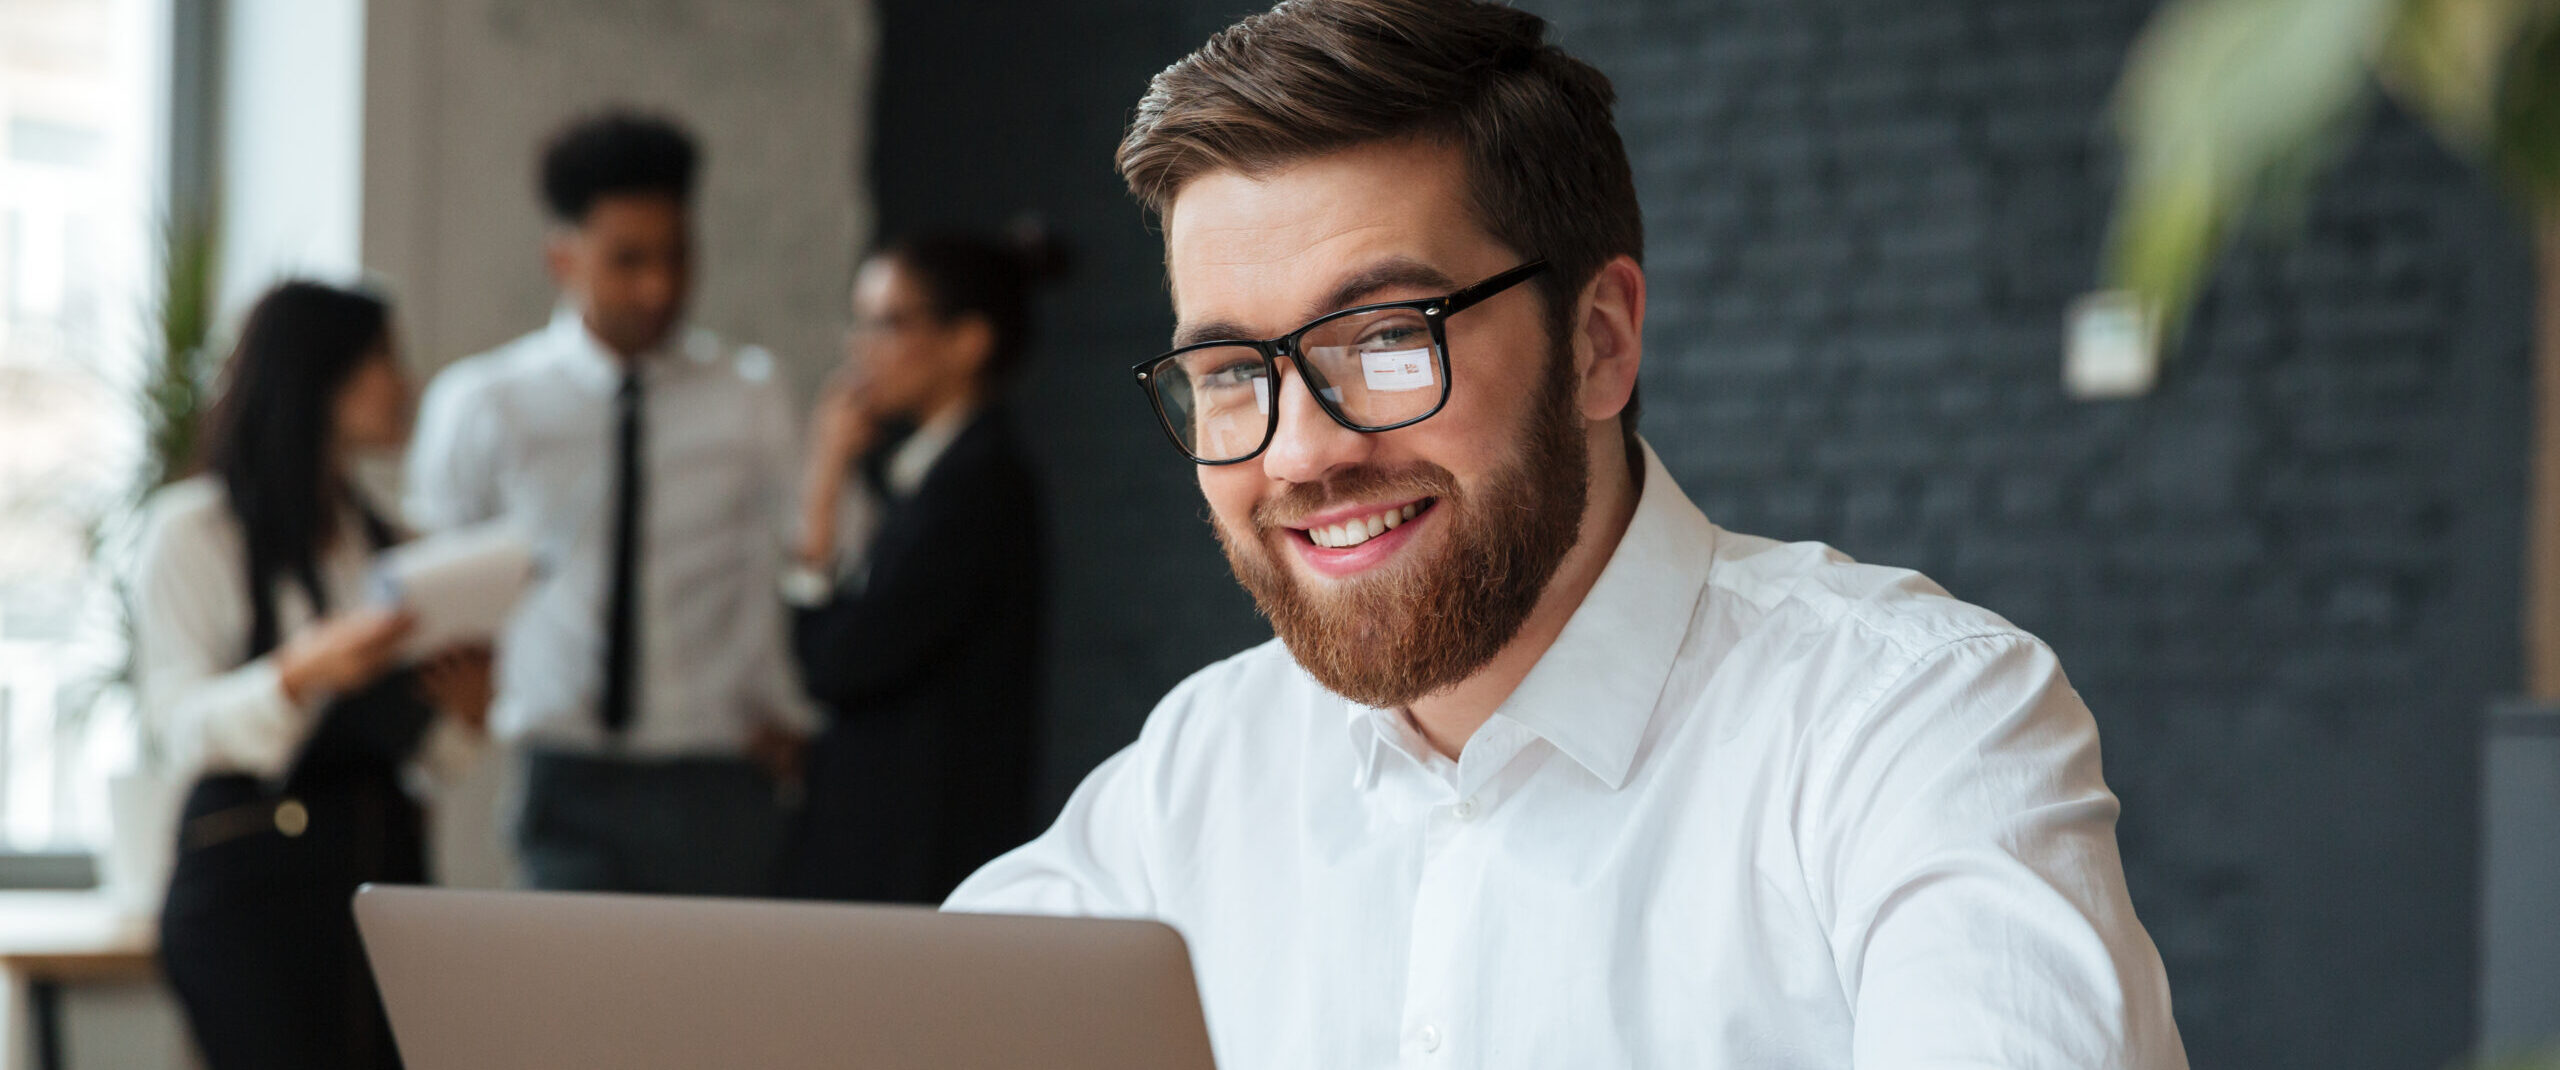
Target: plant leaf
x=2227 y=107
x=2528 y=111
x=2443 y=61
x=176 y=385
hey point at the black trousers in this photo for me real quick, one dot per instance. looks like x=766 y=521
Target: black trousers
x=669 y=826
x=258 y=933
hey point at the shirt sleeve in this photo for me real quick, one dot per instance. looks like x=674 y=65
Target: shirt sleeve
x=784 y=703
x=212 y=714
x=1960 y=839
x=453 y=458
x=1088 y=864
x=777 y=447
x=1101 y=857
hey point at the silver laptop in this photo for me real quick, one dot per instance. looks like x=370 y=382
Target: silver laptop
x=499 y=980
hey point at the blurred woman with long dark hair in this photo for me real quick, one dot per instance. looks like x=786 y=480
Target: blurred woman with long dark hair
x=274 y=685
x=921 y=579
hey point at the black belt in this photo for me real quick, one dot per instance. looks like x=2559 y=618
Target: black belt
x=284 y=814
x=260 y=809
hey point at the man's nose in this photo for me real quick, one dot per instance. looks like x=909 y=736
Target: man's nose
x=1308 y=444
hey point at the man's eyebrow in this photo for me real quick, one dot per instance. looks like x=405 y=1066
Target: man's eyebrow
x=1212 y=331
x=1394 y=271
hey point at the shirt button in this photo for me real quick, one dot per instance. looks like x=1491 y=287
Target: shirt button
x=1465 y=810
x=1428 y=1038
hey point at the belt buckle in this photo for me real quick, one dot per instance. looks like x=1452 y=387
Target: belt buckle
x=292 y=818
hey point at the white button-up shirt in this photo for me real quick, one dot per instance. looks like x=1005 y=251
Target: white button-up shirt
x=1759 y=806
x=525 y=432
x=213 y=708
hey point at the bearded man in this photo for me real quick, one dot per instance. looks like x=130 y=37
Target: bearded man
x=1544 y=769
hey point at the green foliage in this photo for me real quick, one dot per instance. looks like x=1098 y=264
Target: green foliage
x=2545 y=1060
x=170 y=395
x=2230 y=110
x=2442 y=61
x=2528 y=115
x=176 y=381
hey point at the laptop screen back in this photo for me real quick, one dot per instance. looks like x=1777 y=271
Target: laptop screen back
x=497 y=980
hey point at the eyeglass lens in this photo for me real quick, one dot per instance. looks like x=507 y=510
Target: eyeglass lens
x=1371 y=369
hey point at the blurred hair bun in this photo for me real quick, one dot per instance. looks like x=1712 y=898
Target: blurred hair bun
x=1044 y=257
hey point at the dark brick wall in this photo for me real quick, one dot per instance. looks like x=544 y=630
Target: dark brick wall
x=2286 y=582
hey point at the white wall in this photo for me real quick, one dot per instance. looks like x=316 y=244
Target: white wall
x=292 y=143
x=460 y=93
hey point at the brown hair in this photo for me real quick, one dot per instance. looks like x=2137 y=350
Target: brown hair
x=1545 y=169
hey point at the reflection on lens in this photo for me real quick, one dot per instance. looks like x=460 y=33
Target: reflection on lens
x=1383 y=366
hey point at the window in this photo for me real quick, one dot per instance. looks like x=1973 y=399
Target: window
x=76 y=204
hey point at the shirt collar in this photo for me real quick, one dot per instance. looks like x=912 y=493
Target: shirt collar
x=1592 y=694
x=914 y=458
x=577 y=348
x=596 y=366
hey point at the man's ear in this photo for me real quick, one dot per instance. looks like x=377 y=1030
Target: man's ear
x=560 y=254
x=1608 y=339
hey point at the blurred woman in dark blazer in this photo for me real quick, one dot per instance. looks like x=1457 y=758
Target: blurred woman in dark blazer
x=275 y=688
x=919 y=592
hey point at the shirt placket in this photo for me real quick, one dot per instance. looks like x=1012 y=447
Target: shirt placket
x=1444 y=1021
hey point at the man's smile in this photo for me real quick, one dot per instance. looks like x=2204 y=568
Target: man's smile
x=1353 y=539
x=1344 y=528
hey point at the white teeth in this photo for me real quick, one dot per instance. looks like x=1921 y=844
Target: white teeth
x=1352 y=533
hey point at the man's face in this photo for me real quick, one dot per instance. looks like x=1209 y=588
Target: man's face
x=1486 y=496
x=628 y=266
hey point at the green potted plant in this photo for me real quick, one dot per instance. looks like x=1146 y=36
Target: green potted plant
x=2230 y=111
x=178 y=371
x=169 y=395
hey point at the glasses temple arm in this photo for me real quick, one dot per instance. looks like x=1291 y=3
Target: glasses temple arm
x=1467 y=298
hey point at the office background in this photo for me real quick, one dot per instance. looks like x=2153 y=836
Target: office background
x=2286 y=581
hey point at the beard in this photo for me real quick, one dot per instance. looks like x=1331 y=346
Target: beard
x=1422 y=625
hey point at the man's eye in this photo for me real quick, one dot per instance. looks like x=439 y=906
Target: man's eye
x=1398 y=337
x=1232 y=375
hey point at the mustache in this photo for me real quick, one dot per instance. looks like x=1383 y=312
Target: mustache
x=1418 y=480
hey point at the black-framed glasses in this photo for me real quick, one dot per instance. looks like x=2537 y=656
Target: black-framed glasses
x=1370 y=367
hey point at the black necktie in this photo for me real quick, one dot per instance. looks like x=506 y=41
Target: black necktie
x=622 y=604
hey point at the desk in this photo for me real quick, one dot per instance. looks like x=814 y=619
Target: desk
x=51 y=939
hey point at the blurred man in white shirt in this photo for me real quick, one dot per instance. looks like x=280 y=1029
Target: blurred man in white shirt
x=647 y=676
x=1544 y=768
